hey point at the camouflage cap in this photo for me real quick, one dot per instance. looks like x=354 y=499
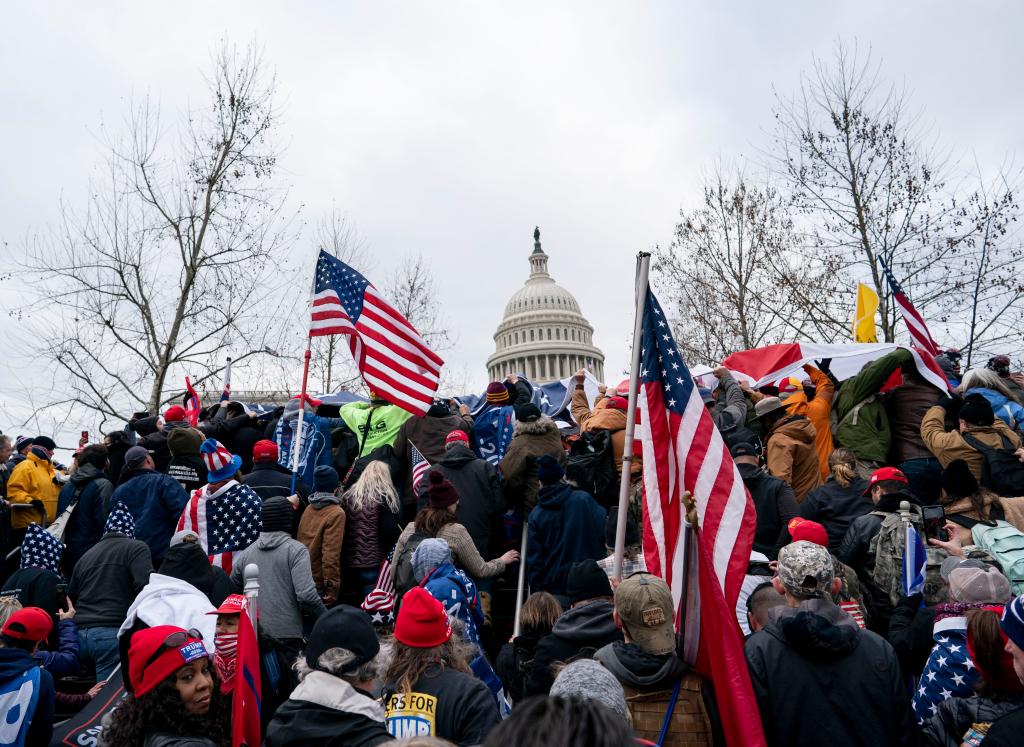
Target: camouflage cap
x=806 y=569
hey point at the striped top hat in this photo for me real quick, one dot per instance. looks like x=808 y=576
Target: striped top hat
x=220 y=463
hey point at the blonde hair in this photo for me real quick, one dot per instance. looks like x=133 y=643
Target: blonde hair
x=373 y=486
x=843 y=465
x=9 y=604
x=982 y=378
x=539 y=612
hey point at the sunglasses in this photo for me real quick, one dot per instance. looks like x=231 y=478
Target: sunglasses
x=174 y=640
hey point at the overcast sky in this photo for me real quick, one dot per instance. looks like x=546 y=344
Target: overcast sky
x=452 y=129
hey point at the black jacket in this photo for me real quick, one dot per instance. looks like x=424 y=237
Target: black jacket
x=955 y=716
x=854 y=550
x=910 y=634
x=1006 y=731
x=775 y=505
x=324 y=711
x=189 y=470
x=107 y=579
x=514 y=664
x=578 y=634
x=91 y=488
x=37 y=587
x=837 y=507
x=188 y=562
x=481 y=502
x=816 y=675
x=271 y=480
x=459 y=705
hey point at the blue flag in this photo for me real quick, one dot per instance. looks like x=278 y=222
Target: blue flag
x=913 y=561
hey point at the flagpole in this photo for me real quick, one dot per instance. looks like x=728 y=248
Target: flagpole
x=297 y=433
x=643 y=266
x=521 y=581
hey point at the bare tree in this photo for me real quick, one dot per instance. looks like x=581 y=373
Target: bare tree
x=870 y=187
x=179 y=248
x=412 y=290
x=723 y=271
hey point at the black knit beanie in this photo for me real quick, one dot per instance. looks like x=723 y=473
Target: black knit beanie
x=276 y=515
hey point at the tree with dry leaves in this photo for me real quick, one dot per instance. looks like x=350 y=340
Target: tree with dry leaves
x=181 y=245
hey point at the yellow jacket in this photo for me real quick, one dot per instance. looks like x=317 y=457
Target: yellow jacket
x=31 y=480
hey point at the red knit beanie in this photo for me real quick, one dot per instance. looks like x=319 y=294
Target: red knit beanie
x=175 y=413
x=422 y=621
x=440 y=492
x=151 y=661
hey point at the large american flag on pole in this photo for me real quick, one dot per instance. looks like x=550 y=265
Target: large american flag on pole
x=919 y=335
x=395 y=362
x=683 y=451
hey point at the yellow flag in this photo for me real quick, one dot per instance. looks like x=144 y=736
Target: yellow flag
x=864 y=315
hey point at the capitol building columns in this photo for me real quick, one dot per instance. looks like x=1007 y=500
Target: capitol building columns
x=543 y=333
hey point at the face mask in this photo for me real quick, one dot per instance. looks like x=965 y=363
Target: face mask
x=226 y=643
x=41 y=453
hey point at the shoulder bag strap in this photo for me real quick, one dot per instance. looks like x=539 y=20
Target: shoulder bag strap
x=668 y=712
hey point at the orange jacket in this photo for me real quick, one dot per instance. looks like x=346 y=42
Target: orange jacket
x=819 y=412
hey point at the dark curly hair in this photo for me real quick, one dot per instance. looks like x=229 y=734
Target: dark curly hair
x=161 y=710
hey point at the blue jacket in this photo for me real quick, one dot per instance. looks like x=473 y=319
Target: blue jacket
x=1005 y=408
x=65 y=659
x=155 y=501
x=457 y=592
x=85 y=527
x=566 y=526
x=14 y=664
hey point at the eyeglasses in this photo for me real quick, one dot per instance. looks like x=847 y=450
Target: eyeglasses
x=174 y=640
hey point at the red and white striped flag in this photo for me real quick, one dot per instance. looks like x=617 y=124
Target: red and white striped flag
x=920 y=337
x=394 y=360
x=683 y=451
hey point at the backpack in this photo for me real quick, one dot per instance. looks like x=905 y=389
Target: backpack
x=1005 y=543
x=1001 y=471
x=405 y=579
x=591 y=466
x=887 y=547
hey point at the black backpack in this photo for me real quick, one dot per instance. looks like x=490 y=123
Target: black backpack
x=405 y=579
x=591 y=466
x=1001 y=471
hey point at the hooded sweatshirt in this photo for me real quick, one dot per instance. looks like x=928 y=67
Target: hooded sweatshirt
x=578 y=633
x=189 y=562
x=91 y=488
x=566 y=526
x=287 y=589
x=816 y=674
x=792 y=455
x=15 y=669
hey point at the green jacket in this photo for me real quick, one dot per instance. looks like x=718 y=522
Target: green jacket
x=865 y=429
x=385 y=421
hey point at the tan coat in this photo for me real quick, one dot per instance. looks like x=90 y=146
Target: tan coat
x=530 y=442
x=950 y=446
x=602 y=417
x=792 y=455
x=322 y=531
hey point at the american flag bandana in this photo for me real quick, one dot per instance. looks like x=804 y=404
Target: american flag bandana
x=121 y=521
x=225 y=522
x=40 y=549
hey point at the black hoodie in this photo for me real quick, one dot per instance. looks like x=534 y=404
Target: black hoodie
x=820 y=679
x=481 y=502
x=13 y=663
x=578 y=634
x=638 y=669
x=187 y=561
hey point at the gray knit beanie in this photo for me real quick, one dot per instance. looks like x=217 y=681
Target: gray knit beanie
x=587 y=679
x=430 y=554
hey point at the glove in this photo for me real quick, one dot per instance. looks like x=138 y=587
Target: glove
x=950 y=402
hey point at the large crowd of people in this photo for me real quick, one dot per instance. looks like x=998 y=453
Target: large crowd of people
x=389 y=569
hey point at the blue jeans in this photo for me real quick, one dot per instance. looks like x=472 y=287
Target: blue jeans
x=97 y=648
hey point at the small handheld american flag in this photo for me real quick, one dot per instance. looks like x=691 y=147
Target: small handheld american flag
x=394 y=360
x=418 y=464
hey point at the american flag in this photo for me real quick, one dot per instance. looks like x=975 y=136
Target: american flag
x=226 y=394
x=380 y=602
x=919 y=335
x=949 y=671
x=419 y=465
x=192 y=406
x=226 y=522
x=683 y=451
x=394 y=360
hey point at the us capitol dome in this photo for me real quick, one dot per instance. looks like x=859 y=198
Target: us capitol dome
x=543 y=334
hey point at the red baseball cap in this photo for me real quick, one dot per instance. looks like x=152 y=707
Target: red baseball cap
x=456 y=436
x=157 y=653
x=617 y=403
x=175 y=413
x=422 y=621
x=886 y=473
x=233 y=604
x=810 y=531
x=264 y=451
x=28 y=624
